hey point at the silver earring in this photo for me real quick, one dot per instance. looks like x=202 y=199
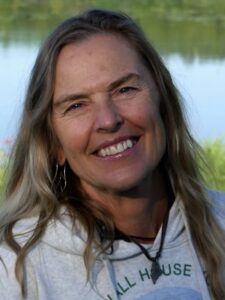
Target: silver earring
x=62 y=179
x=60 y=172
x=56 y=173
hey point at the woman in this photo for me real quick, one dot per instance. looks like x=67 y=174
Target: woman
x=104 y=199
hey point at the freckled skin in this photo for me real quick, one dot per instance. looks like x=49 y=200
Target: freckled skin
x=103 y=114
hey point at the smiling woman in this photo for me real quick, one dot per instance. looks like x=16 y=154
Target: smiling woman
x=92 y=121
x=104 y=191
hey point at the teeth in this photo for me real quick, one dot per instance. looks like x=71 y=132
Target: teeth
x=107 y=151
x=120 y=147
x=115 y=149
x=129 y=144
x=103 y=152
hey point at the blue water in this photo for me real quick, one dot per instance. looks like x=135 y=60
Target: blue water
x=200 y=82
x=15 y=65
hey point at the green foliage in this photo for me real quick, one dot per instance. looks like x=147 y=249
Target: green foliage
x=214 y=173
x=192 y=28
x=2 y=176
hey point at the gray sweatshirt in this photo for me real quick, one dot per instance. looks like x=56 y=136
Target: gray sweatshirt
x=56 y=271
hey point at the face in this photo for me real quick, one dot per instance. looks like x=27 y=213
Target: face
x=106 y=114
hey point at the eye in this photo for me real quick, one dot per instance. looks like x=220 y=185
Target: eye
x=74 y=106
x=127 y=89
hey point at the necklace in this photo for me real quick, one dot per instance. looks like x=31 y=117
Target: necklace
x=129 y=238
x=156 y=271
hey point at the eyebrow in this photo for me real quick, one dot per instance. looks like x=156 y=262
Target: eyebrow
x=123 y=79
x=67 y=98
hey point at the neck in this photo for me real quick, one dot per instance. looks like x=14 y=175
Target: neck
x=141 y=216
x=140 y=211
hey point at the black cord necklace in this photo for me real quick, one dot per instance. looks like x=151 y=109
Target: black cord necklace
x=156 y=271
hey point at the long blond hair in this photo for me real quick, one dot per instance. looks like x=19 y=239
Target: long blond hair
x=32 y=187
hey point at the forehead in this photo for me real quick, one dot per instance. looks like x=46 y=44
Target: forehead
x=95 y=62
x=99 y=43
x=98 y=50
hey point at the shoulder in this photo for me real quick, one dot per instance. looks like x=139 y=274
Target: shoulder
x=22 y=231
x=217 y=202
x=60 y=237
x=9 y=287
x=62 y=233
x=217 y=205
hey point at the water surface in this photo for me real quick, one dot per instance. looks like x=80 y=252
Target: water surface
x=199 y=81
x=188 y=34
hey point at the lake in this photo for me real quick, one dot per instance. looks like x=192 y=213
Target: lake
x=192 y=47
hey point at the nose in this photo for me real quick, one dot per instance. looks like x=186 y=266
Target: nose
x=108 y=117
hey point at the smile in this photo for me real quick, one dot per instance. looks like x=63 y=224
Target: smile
x=117 y=148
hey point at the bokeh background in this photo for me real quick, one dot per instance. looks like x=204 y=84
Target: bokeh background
x=189 y=35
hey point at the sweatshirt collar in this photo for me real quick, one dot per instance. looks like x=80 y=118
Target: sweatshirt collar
x=65 y=235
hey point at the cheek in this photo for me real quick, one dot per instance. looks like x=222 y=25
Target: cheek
x=72 y=137
x=145 y=113
x=151 y=120
x=73 y=143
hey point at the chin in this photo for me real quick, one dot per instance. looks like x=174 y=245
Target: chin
x=125 y=185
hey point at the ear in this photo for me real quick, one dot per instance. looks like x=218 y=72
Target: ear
x=60 y=156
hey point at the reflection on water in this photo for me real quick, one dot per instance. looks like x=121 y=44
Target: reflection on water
x=200 y=82
x=188 y=27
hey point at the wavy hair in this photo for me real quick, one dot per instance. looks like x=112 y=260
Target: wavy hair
x=32 y=188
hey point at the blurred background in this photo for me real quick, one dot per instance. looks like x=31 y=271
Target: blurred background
x=189 y=35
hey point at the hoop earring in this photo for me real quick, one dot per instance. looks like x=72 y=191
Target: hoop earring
x=60 y=172
x=56 y=173
x=62 y=179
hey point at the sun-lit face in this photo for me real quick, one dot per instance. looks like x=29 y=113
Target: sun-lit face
x=106 y=114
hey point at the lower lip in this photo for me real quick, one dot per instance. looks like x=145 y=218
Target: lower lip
x=124 y=154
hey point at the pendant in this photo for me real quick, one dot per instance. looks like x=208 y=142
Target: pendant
x=156 y=271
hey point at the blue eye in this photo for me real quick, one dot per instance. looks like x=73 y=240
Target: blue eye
x=127 y=89
x=74 y=106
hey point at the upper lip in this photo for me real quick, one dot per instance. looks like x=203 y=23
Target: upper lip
x=114 y=142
